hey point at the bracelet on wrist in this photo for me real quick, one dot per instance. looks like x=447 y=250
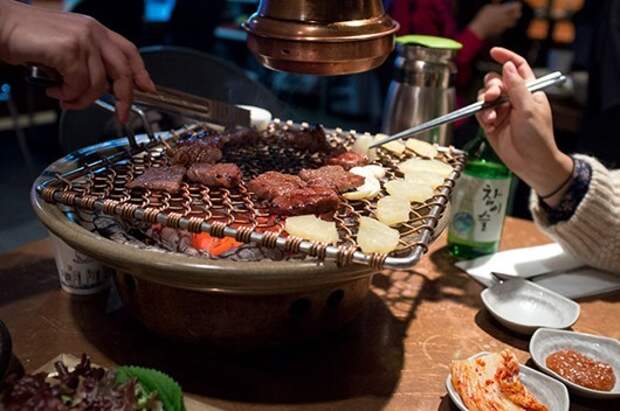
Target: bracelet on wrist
x=564 y=184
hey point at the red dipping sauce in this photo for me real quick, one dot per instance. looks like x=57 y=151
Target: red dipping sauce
x=582 y=370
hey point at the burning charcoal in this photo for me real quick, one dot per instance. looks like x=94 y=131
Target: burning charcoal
x=348 y=160
x=332 y=177
x=185 y=245
x=272 y=184
x=170 y=238
x=226 y=175
x=309 y=200
x=160 y=178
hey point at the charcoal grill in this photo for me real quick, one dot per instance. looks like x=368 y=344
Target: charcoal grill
x=226 y=303
x=101 y=186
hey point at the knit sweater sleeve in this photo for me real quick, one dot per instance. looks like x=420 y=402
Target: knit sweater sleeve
x=593 y=232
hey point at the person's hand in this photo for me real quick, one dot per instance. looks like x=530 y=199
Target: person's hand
x=521 y=132
x=90 y=58
x=493 y=19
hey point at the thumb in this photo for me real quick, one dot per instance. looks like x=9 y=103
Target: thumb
x=520 y=97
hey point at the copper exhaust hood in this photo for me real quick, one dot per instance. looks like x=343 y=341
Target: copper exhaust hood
x=321 y=37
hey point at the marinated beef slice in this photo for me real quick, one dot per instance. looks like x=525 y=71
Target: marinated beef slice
x=225 y=175
x=160 y=178
x=334 y=177
x=348 y=160
x=271 y=184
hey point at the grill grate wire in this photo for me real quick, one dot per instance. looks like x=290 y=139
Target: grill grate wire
x=101 y=186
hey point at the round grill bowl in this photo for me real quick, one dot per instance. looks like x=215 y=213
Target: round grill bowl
x=229 y=304
x=221 y=302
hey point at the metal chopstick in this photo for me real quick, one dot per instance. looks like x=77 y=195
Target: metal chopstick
x=539 y=84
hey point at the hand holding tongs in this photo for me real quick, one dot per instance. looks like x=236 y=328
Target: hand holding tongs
x=539 y=84
x=165 y=100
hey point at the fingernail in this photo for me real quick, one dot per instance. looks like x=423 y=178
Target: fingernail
x=510 y=68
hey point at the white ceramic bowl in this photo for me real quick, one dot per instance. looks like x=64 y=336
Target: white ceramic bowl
x=524 y=306
x=546 y=341
x=550 y=392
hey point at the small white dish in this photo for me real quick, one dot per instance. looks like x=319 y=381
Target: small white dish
x=524 y=306
x=546 y=341
x=548 y=391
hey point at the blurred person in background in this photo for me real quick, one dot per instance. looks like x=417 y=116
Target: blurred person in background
x=90 y=58
x=597 y=50
x=576 y=200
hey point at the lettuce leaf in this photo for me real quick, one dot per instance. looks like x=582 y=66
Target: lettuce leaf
x=168 y=391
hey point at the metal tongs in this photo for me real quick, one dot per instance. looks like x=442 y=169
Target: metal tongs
x=539 y=84
x=166 y=100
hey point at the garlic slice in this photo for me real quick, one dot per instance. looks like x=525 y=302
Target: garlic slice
x=396 y=146
x=370 y=189
x=425 y=177
x=393 y=210
x=413 y=192
x=362 y=146
x=312 y=228
x=375 y=237
x=414 y=165
x=372 y=170
x=421 y=148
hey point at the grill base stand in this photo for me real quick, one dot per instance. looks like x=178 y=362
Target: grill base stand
x=242 y=322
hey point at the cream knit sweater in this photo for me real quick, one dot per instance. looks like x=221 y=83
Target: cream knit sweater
x=593 y=233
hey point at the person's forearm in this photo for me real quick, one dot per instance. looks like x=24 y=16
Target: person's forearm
x=552 y=177
x=7 y=10
x=592 y=233
x=477 y=29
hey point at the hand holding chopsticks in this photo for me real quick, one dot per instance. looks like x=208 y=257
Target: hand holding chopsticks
x=539 y=84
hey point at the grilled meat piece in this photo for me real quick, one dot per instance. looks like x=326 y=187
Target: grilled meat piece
x=348 y=160
x=194 y=150
x=207 y=146
x=160 y=178
x=312 y=138
x=215 y=175
x=271 y=184
x=333 y=177
x=240 y=136
x=308 y=200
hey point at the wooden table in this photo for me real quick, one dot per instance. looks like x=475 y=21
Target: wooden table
x=394 y=357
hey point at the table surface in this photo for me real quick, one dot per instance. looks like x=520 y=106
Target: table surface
x=394 y=357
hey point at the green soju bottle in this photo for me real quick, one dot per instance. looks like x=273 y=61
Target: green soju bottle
x=479 y=202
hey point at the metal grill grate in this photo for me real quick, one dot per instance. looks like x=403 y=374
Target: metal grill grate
x=101 y=186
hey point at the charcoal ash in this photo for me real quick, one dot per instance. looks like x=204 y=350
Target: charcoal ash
x=168 y=240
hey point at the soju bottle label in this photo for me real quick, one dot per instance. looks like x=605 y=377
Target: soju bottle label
x=478 y=209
